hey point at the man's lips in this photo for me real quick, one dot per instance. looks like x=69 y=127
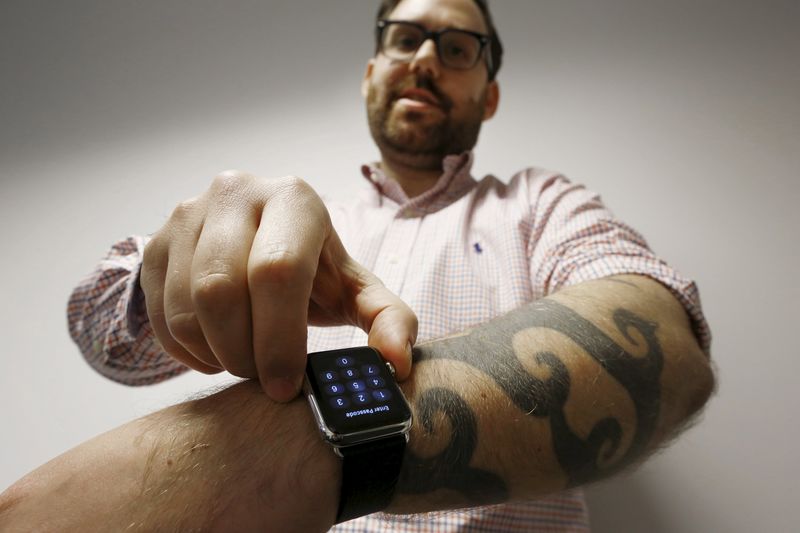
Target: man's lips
x=419 y=98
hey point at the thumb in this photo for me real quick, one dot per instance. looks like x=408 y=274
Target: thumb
x=389 y=322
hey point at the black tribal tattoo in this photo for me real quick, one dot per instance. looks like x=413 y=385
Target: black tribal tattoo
x=583 y=459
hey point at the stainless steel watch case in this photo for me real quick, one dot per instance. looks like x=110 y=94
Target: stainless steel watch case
x=341 y=440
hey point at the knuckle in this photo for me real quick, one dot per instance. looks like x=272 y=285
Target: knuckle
x=291 y=182
x=213 y=290
x=233 y=174
x=295 y=188
x=230 y=181
x=153 y=254
x=184 y=327
x=279 y=266
x=184 y=210
x=302 y=197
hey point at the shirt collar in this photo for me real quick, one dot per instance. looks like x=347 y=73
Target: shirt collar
x=454 y=183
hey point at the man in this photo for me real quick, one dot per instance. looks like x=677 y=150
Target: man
x=557 y=348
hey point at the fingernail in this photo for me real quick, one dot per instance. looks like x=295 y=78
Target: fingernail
x=282 y=389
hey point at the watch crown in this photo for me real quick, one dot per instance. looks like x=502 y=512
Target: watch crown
x=390 y=366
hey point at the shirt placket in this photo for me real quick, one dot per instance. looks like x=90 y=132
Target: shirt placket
x=395 y=252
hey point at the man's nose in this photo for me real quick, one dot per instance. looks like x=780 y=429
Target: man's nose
x=426 y=59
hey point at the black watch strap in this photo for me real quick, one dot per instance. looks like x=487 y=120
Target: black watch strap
x=369 y=475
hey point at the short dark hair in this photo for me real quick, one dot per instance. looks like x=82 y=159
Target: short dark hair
x=495 y=46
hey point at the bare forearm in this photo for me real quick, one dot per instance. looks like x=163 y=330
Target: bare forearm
x=232 y=461
x=564 y=391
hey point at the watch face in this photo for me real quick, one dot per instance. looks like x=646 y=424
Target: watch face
x=356 y=393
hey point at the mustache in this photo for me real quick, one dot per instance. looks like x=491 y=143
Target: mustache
x=427 y=84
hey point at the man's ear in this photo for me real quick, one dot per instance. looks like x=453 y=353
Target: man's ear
x=492 y=100
x=367 y=78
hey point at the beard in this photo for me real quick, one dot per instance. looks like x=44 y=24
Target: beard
x=415 y=137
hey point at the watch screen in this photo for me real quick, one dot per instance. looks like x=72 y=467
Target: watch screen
x=355 y=391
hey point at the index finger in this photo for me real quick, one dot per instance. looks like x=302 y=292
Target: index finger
x=281 y=269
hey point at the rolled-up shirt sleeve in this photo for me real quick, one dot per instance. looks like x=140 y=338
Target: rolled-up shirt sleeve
x=576 y=238
x=107 y=319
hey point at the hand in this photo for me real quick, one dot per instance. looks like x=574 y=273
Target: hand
x=236 y=275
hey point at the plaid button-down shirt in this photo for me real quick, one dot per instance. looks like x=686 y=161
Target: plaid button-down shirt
x=460 y=254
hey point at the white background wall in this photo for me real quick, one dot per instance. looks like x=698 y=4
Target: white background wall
x=684 y=114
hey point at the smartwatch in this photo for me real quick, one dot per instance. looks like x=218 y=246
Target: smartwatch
x=362 y=413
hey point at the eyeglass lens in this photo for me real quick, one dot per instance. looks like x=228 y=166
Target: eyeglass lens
x=457 y=49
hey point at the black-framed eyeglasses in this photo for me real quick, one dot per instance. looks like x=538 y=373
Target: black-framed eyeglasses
x=458 y=49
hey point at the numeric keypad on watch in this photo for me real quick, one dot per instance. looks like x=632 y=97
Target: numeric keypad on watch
x=348 y=385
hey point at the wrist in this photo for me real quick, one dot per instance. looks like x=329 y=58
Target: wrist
x=274 y=471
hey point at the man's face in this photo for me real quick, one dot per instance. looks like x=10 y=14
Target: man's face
x=421 y=110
